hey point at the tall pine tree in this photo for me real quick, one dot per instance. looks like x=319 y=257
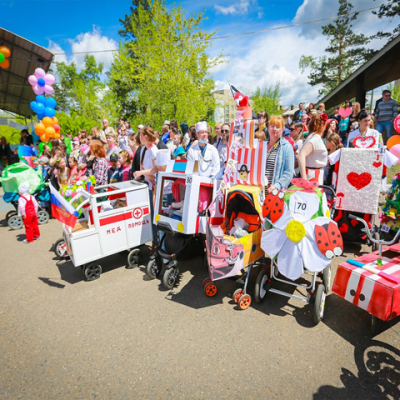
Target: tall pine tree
x=390 y=11
x=345 y=52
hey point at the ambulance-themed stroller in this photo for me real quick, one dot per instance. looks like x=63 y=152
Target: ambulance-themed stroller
x=42 y=196
x=179 y=213
x=300 y=238
x=233 y=248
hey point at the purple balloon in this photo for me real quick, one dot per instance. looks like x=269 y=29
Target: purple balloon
x=41 y=82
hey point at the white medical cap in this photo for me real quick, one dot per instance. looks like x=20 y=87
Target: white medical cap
x=201 y=126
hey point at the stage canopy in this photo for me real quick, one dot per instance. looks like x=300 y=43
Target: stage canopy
x=15 y=91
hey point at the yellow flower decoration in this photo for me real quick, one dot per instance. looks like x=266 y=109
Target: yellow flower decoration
x=295 y=231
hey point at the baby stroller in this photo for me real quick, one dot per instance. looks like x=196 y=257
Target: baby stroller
x=42 y=196
x=233 y=248
x=179 y=214
x=299 y=239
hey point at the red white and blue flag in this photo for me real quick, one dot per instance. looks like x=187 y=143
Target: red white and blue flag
x=61 y=209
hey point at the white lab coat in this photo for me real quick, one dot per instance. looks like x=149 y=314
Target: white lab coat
x=209 y=163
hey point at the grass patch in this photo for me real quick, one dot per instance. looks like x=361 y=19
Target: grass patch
x=391 y=172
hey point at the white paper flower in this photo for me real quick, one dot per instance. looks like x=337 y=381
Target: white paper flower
x=294 y=239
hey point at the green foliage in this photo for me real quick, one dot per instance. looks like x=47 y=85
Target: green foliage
x=388 y=10
x=345 y=52
x=267 y=99
x=161 y=71
x=72 y=123
x=395 y=90
x=12 y=135
x=84 y=93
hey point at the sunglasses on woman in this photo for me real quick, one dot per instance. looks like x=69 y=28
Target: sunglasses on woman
x=225 y=130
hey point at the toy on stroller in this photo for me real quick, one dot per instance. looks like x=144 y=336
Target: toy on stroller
x=42 y=196
x=299 y=239
x=233 y=248
x=179 y=213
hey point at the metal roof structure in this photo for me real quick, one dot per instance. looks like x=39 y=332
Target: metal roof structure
x=15 y=91
x=382 y=68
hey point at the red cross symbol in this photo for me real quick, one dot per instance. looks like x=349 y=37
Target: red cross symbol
x=137 y=213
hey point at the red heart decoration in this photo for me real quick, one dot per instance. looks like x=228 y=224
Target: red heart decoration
x=340 y=194
x=376 y=164
x=364 y=143
x=359 y=181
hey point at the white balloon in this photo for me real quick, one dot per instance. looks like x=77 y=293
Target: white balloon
x=39 y=73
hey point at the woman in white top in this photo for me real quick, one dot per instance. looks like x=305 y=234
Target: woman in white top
x=148 y=161
x=364 y=131
x=313 y=156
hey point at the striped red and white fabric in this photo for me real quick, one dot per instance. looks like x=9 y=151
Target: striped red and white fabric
x=246 y=133
x=250 y=165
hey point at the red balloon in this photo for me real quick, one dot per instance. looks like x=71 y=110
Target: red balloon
x=396 y=123
x=56 y=128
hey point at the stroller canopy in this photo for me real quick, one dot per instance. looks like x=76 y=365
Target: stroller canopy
x=18 y=173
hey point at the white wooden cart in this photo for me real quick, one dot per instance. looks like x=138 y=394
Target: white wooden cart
x=115 y=218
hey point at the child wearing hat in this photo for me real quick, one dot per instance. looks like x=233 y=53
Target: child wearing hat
x=28 y=207
x=114 y=172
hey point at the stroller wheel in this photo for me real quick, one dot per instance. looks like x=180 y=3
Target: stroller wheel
x=319 y=307
x=60 y=249
x=15 y=222
x=153 y=269
x=262 y=286
x=170 y=277
x=237 y=294
x=210 y=289
x=133 y=259
x=92 y=271
x=326 y=278
x=206 y=281
x=244 y=302
x=10 y=214
x=43 y=217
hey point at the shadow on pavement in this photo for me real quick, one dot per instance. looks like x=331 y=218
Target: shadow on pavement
x=49 y=282
x=378 y=377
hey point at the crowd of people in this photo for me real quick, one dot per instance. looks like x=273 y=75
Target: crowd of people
x=297 y=146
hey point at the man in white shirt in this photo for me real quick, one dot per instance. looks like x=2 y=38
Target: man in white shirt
x=206 y=154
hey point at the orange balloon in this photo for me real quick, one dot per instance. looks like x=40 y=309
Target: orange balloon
x=5 y=64
x=40 y=129
x=50 y=132
x=56 y=136
x=6 y=51
x=47 y=122
x=43 y=138
x=393 y=140
x=55 y=120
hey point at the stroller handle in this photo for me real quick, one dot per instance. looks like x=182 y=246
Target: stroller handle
x=368 y=231
x=328 y=188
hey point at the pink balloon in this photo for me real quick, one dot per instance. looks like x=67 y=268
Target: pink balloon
x=32 y=80
x=39 y=73
x=48 y=89
x=395 y=150
x=396 y=123
x=38 y=89
x=49 y=79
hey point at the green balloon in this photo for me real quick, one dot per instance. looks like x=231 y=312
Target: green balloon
x=2 y=58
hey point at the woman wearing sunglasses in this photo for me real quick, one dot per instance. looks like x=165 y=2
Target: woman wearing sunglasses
x=261 y=132
x=221 y=141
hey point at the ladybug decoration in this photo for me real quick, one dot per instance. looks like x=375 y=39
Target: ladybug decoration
x=304 y=185
x=329 y=240
x=273 y=205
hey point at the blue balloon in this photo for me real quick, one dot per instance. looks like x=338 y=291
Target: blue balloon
x=33 y=105
x=51 y=102
x=41 y=82
x=49 y=112
x=40 y=116
x=39 y=108
x=41 y=99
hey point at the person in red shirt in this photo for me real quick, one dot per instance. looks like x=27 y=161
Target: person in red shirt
x=28 y=207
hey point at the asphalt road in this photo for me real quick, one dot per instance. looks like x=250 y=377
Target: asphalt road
x=124 y=337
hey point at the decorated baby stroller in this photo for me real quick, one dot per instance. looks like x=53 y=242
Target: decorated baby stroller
x=299 y=239
x=179 y=213
x=233 y=248
x=11 y=178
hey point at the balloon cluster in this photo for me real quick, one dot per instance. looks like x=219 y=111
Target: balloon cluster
x=41 y=82
x=48 y=129
x=4 y=54
x=44 y=107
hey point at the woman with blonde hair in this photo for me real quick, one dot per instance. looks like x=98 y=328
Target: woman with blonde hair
x=314 y=156
x=279 y=168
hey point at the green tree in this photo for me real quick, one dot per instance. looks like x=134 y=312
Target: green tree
x=390 y=11
x=267 y=99
x=162 y=67
x=345 y=52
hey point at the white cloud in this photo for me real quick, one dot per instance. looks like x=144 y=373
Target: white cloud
x=85 y=43
x=241 y=7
